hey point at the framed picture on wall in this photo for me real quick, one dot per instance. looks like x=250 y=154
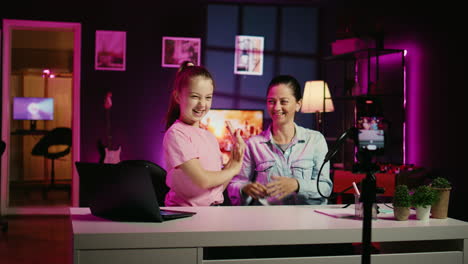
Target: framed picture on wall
x=110 y=50
x=249 y=55
x=176 y=50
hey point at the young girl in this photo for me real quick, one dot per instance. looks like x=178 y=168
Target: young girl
x=193 y=159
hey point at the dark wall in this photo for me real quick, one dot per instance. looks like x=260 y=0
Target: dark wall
x=140 y=94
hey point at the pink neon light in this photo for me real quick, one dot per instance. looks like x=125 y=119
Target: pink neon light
x=413 y=147
x=404 y=107
x=414 y=111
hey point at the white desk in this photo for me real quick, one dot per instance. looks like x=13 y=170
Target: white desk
x=96 y=240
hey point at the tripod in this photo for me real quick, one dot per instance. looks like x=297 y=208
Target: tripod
x=368 y=199
x=369 y=188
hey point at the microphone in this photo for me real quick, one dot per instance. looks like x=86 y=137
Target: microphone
x=351 y=133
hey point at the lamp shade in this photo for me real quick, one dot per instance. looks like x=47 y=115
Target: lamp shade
x=313 y=98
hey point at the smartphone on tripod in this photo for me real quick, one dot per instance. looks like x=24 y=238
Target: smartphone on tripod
x=371 y=134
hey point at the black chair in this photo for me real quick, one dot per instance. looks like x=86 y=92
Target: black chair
x=3 y=223
x=59 y=136
x=158 y=177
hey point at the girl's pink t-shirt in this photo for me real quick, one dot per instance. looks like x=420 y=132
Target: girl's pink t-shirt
x=182 y=143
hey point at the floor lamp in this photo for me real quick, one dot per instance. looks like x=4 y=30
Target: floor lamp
x=317 y=99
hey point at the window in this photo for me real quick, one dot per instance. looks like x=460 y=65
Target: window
x=290 y=47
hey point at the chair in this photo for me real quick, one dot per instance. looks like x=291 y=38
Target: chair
x=3 y=223
x=59 y=136
x=158 y=177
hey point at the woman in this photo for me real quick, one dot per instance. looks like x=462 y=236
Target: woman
x=281 y=164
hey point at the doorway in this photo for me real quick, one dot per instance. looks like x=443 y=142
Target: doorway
x=41 y=92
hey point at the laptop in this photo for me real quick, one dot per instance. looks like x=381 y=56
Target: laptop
x=121 y=193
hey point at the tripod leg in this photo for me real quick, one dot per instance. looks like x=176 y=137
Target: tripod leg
x=368 y=199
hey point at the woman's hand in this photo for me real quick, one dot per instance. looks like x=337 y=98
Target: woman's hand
x=255 y=190
x=282 y=186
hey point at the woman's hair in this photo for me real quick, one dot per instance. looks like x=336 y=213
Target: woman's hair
x=290 y=81
x=184 y=76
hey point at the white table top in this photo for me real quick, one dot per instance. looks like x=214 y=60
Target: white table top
x=263 y=225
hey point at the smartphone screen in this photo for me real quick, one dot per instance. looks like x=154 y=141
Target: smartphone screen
x=371 y=133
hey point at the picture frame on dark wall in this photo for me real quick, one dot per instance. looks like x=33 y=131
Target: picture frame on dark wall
x=176 y=50
x=110 y=51
x=248 y=58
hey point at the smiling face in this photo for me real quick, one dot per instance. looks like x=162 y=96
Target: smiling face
x=195 y=100
x=282 y=105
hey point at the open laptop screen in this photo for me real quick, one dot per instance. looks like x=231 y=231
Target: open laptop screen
x=121 y=192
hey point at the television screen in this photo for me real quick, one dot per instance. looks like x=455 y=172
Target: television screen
x=33 y=108
x=249 y=121
x=371 y=133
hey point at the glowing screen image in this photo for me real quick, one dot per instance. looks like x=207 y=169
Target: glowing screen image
x=249 y=121
x=33 y=108
x=371 y=133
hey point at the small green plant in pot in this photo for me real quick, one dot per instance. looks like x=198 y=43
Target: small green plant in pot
x=401 y=202
x=442 y=187
x=422 y=199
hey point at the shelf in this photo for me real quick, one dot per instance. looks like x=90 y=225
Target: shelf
x=354 y=97
x=365 y=53
x=379 y=80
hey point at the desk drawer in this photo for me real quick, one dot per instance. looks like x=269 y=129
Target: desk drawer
x=453 y=257
x=140 y=256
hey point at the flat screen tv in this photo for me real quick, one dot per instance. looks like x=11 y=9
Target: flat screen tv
x=249 y=121
x=33 y=108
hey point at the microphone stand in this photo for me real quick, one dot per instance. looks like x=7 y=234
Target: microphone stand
x=368 y=198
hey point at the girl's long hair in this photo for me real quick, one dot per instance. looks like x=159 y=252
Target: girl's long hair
x=184 y=76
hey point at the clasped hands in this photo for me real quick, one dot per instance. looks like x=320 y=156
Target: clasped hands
x=279 y=187
x=237 y=153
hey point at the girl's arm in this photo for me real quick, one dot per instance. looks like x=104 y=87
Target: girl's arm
x=207 y=179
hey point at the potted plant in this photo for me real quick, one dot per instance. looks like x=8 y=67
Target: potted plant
x=401 y=203
x=442 y=187
x=422 y=199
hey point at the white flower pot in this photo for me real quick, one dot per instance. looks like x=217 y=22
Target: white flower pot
x=423 y=213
